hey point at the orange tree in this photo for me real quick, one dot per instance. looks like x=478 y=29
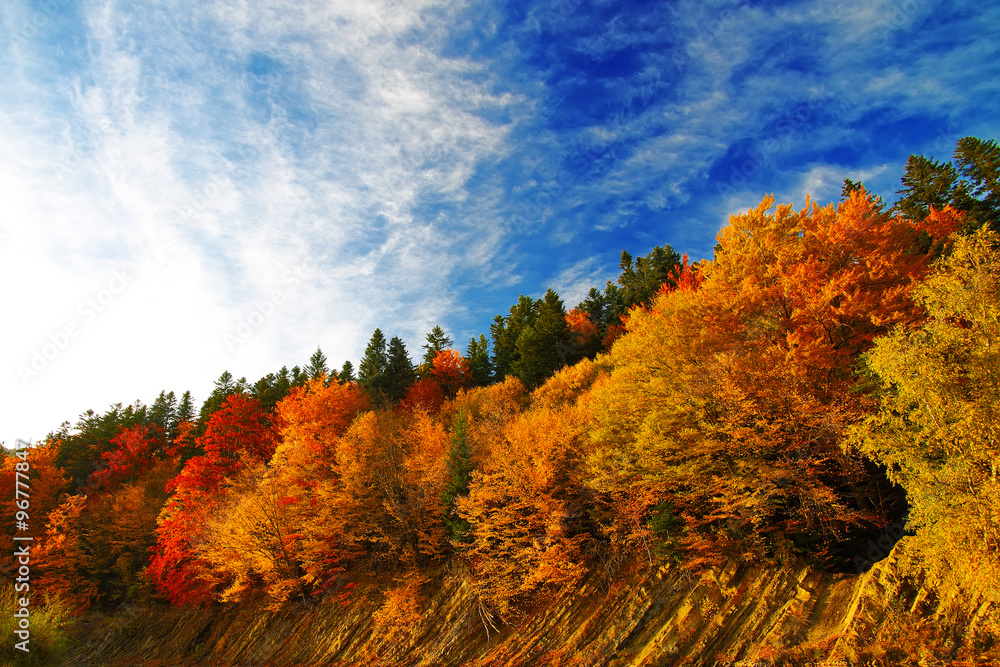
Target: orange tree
x=47 y=483
x=526 y=509
x=718 y=431
x=451 y=371
x=385 y=494
x=239 y=432
x=313 y=419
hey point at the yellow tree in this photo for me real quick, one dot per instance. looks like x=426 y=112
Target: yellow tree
x=527 y=509
x=305 y=467
x=390 y=475
x=425 y=478
x=67 y=571
x=240 y=433
x=938 y=427
x=251 y=538
x=730 y=394
x=312 y=417
x=569 y=383
x=488 y=410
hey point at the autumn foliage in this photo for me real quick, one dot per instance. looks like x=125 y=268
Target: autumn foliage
x=451 y=371
x=938 y=425
x=133 y=455
x=738 y=412
x=47 y=483
x=527 y=509
x=238 y=434
x=724 y=414
x=424 y=395
x=66 y=572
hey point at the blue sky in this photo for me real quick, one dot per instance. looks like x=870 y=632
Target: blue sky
x=191 y=187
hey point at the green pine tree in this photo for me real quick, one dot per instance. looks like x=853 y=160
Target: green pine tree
x=163 y=413
x=460 y=467
x=971 y=184
x=399 y=371
x=82 y=446
x=595 y=306
x=317 y=365
x=283 y=382
x=224 y=387
x=437 y=340
x=371 y=373
x=542 y=344
x=270 y=389
x=185 y=410
x=478 y=356
x=346 y=373
x=640 y=280
x=506 y=331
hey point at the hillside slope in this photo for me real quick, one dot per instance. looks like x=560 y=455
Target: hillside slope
x=734 y=614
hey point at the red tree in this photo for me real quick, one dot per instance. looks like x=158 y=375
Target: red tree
x=451 y=370
x=425 y=394
x=238 y=433
x=134 y=453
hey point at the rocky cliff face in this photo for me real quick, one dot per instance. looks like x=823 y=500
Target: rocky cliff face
x=738 y=614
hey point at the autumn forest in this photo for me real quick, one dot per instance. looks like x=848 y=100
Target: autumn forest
x=828 y=375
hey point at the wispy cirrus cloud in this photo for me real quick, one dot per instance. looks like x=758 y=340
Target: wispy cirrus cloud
x=277 y=175
x=704 y=103
x=215 y=151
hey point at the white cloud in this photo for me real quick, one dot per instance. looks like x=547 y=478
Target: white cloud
x=823 y=183
x=213 y=186
x=574 y=282
x=327 y=150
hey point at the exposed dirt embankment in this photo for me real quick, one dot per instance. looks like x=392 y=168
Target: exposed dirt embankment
x=644 y=617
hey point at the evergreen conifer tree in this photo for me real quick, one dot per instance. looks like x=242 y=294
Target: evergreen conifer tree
x=185 y=410
x=971 y=184
x=543 y=343
x=372 y=372
x=346 y=373
x=224 y=387
x=163 y=413
x=317 y=365
x=437 y=340
x=477 y=354
x=460 y=468
x=399 y=372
